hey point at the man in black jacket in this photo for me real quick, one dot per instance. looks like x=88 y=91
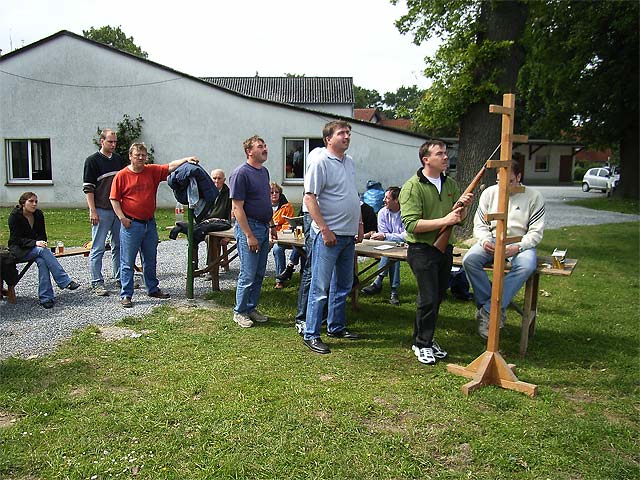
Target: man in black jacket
x=99 y=171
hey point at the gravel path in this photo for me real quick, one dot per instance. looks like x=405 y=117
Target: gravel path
x=27 y=330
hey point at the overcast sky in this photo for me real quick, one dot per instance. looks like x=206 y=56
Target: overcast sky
x=352 y=38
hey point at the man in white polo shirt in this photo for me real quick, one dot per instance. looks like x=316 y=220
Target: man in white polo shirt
x=331 y=197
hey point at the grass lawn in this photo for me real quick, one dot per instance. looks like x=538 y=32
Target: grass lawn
x=197 y=397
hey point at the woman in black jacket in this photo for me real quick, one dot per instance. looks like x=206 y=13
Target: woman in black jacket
x=28 y=241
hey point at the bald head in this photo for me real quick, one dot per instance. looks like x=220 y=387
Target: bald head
x=218 y=178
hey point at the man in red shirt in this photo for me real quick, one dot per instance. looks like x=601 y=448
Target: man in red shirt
x=133 y=196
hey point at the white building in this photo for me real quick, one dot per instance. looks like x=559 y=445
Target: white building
x=55 y=94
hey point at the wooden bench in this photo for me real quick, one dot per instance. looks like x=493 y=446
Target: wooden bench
x=68 y=252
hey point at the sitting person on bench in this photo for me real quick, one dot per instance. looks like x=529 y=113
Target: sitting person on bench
x=282 y=208
x=28 y=241
x=526 y=220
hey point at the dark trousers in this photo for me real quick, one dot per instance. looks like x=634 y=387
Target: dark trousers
x=431 y=269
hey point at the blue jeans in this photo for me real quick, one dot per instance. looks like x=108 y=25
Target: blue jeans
x=48 y=266
x=108 y=222
x=394 y=272
x=336 y=261
x=141 y=237
x=279 y=257
x=305 y=271
x=522 y=266
x=253 y=266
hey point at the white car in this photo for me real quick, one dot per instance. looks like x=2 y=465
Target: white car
x=597 y=178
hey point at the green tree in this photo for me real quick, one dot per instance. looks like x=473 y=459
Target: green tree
x=581 y=78
x=403 y=102
x=116 y=38
x=478 y=61
x=364 y=98
x=575 y=64
x=128 y=131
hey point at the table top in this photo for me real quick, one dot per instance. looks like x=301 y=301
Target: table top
x=367 y=249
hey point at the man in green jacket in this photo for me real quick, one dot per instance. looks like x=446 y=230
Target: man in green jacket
x=426 y=203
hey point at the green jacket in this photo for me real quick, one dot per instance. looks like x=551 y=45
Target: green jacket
x=419 y=199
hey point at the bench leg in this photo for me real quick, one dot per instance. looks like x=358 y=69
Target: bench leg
x=529 y=312
x=11 y=294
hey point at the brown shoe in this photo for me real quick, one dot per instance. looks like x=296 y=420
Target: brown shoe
x=159 y=294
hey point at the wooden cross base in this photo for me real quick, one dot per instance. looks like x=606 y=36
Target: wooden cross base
x=491 y=369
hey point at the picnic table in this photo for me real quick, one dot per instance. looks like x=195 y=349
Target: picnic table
x=363 y=273
x=10 y=292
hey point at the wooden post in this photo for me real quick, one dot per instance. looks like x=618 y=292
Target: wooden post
x=190 y=248
x=490 y=368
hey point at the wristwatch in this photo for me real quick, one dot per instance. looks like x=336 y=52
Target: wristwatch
x=520 y=249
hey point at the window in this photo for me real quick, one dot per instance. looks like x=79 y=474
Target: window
x=541 y=163
x=295 y=157
x=29 y=160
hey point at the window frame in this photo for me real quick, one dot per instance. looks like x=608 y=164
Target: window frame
x=45 y=158
x=536 y=162
x=309 y=143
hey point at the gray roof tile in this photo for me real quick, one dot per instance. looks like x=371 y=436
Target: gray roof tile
x=295 y=90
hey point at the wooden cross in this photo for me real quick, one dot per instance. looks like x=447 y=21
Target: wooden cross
x=490 y=368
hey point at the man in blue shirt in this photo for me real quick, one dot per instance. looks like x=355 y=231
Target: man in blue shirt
x=251 y=207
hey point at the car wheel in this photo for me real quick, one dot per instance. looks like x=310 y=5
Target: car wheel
x=585 y=187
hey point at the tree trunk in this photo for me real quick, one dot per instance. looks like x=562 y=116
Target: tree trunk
x=479 y=129
x=629 y=158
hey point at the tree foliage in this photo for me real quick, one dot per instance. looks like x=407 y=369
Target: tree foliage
x=116 y=38
x=128 y=131
x=364 y=98
x=578 y=75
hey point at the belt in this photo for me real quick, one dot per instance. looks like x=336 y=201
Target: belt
x=138 y=220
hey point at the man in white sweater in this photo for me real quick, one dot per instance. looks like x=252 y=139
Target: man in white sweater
x=525 y=219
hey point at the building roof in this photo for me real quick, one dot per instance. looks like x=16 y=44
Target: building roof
x=296 y=90
x=402 y=123
x=365 y=114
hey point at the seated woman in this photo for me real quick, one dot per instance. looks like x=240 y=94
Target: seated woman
x=28 y=241
x=281 y=208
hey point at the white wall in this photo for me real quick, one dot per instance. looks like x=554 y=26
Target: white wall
x=181 y=116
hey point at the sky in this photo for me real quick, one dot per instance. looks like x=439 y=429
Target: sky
x=350 y=38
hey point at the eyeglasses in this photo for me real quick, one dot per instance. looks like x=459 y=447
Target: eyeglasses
x=275 y=192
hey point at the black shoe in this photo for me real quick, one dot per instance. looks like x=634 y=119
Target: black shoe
x=344 y=334
x=371 y=289
x=317 y=345
x=47 y=304
x=394 y=300
x=286 y=274
x=159 y=294
x=126 y=302
x=72 y=285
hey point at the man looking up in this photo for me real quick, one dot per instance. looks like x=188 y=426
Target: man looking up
x=251 y=206
x=133 y=197
x=331 y=197
x=426 y=205
x=99 y=172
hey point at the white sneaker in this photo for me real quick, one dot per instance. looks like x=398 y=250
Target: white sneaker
x=438 y=352
x=425 y=355
x=242 y=320
x=300 y=326
x=256 y=316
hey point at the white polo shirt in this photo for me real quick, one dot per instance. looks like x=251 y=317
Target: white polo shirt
x=333 y=182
